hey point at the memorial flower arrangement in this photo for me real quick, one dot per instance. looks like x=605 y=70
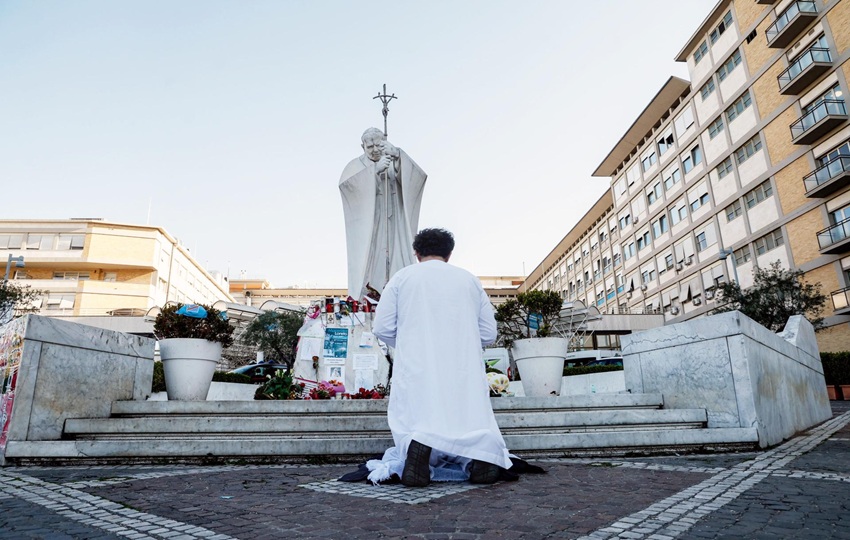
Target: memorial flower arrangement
x=338 y=387
x=280 y=386
x=324 y=390
x=498 y=382
x=362 y=393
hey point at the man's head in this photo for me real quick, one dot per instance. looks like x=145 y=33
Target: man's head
x=434 y=243
x=373 y=143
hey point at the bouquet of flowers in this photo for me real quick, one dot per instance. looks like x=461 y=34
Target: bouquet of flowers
x=367 y=394
x=499 y=383
x=322 y=391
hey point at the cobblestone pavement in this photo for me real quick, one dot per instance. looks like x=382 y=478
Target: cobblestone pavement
x=795 y=490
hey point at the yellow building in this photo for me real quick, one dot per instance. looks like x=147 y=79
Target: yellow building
x=747 y=164
x=90 y=268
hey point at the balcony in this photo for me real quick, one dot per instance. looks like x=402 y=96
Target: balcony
x=835 y=239
x=804 y=71
x=829 y=178
x=790 y=23
x=841 y=301
x=827 y=115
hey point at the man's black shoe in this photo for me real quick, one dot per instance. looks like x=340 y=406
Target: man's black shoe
x=483 y=472
x=416 y=471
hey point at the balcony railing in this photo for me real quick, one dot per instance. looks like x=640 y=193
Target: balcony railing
x=828 y=179
x=790 y=23
x=823 y=118
x=835 y=239
x=841 y=301
x=804 y=70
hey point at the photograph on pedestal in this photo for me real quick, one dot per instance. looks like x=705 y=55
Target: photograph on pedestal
x=336 y=343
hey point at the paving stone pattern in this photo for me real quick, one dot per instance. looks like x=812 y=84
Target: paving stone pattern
x=795 y=490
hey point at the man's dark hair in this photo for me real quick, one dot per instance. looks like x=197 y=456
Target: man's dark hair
x=430 y=242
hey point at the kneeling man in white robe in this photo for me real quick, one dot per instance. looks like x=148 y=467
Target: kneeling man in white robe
x=437 y=317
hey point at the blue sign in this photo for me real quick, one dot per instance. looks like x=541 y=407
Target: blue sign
x=535 y=320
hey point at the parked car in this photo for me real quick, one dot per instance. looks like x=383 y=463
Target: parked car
x=259 y=372
x=612 y=361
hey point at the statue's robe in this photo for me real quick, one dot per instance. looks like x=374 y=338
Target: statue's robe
x=371 y=225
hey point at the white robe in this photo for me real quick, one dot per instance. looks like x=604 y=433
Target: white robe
x=367 y=228
x=438 y=317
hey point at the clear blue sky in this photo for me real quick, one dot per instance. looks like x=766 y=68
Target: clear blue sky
x=232 y=121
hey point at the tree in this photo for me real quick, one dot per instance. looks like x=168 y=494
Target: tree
x=276 y=334
x=16 y=300
x=776 y=295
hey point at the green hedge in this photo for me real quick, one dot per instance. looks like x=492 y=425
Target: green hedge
x=219 y=376
x=585 y=370
x=836 y=367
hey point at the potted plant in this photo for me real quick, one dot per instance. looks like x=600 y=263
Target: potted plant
x=525 y=327
x=191 y=338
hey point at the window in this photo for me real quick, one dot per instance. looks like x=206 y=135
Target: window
x=617 y=259
x=629 y=251
x=678 y=212
x=738 y=106
x=660 y=226
x=702 y=241
x=668 y=261
x=760 y=193
x=733 y=211
x=632 y=175
x=729 y=65
x=833 y=94
x=692 y=160
x=707 y=89
x=748 y=149
x=603 y=236
x=643 y=241
x=647 y=276
x=665 y=143
x=841 y=150
x=769 y=241
x=70 y=241
x=672 y=180
x=620 y=187
x=654 y=194
x=684 y=121
x=724 y=168
x=701 y=52
x=11 y=241
x=715 y=128
x=700 y=201
x=81 y=276
x=60 y=301
x=742 y=255
x=625 y=221
x=724 y=24
x=648 y=161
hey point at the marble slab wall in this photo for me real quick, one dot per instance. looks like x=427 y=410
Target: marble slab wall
x=740 y=372
x=70 y=370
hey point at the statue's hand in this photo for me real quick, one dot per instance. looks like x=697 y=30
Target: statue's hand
x=383 y=163
x=390 y=150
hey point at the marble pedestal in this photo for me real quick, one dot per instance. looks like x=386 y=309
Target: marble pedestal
x=53 y=370
x=740 y=372
x=362 y=362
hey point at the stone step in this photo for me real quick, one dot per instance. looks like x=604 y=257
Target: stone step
x=162 y=449
x=357 y=406
x=293 y=424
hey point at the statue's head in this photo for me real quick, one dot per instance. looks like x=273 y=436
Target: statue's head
x=373 y=143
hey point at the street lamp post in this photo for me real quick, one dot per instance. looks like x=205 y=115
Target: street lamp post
x=19 y=263
x=724 y=253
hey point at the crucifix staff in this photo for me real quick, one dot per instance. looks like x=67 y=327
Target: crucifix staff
x=385 y=100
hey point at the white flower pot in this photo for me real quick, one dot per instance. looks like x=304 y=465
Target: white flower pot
x=189 y=365
x=540 y=362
